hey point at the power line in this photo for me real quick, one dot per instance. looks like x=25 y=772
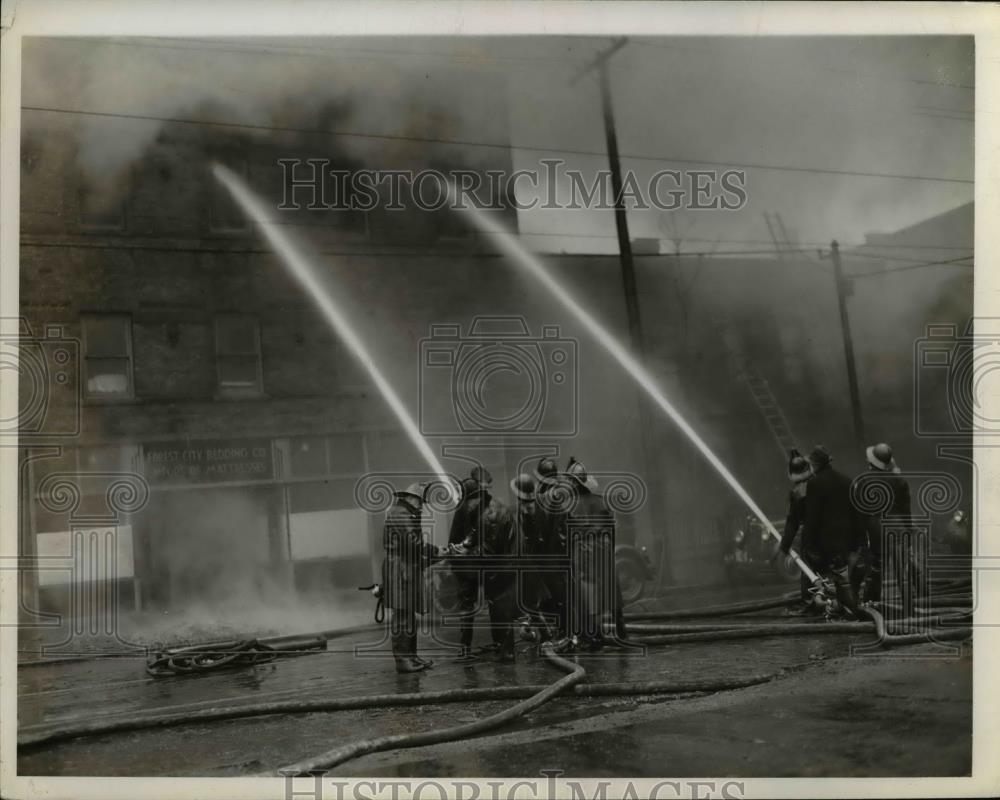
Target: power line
x=316 y=52
x=498 y=145
x=852 y=72
x=805 y=245
x=881 y=257
x=421 y=254
x=952 y=261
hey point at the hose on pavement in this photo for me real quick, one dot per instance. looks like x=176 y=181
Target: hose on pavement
x=530 y=696
x=331 y=758
x=715 y=611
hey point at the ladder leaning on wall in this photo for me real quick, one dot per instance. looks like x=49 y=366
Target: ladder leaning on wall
x=759 y=388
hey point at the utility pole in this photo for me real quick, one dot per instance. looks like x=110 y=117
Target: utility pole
x=655 y=485
x=843 y=292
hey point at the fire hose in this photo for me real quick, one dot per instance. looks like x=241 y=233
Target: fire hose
x=332 y=758
x=194 y=713
x=227 y=655
x=532 y=696
x=32 y=736
x=715 y=611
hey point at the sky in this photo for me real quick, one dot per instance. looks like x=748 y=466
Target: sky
x=791 y=111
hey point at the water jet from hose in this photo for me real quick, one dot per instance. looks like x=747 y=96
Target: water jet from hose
x=528 y=261
x=304 y=272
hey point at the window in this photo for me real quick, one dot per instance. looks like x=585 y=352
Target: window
x=237 y=354
x=107 y=343
x=341 y=454
x=308 y=456
x=101 y=208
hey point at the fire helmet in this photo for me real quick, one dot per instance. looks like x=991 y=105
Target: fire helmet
x=578 y=472
x=482 y=476
x=413 y=491
x=546 y=470
x=523 y=487
x=880 y=457
x=820 y=457
x=799 y=469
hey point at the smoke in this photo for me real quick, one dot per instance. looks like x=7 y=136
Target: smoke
x=264 y=86
x=813 y=103
x=888 y=105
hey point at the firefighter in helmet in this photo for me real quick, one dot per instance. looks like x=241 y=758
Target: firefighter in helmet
x=407 y=554
x=889 y=531
x=483 y=527
x=533 y=594
x=834 y=528
x=590 y=527
x=799 y=473
x=551 y=504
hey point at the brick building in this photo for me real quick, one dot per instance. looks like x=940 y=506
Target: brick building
x=200 y=375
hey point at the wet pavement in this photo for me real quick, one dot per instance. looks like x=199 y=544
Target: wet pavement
x=860 y=709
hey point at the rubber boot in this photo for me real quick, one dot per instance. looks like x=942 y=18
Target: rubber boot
x=402 y=653
x=594 y=633
x=857 y=570
x=621 y=633
x=427 y=663
x=405 y=665
x=873 y=591
x=845 y=593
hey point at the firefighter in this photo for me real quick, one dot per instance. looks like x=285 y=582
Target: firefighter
x=406 y=557
x=799 y=473
x=957 y=540
x=463 y=524
x=533 y=594
x=896 y=519
x=484 y=528
x=590 y=527
x=551 y=495
x=834 y=528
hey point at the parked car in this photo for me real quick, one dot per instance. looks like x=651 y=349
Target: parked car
x=635 y=570
x=748 y=557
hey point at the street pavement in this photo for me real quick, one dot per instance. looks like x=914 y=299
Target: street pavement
x=825 y=713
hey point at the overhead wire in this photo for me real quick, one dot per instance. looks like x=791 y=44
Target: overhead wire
x=499 y=145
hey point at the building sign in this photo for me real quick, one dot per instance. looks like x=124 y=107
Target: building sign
x=213 y=461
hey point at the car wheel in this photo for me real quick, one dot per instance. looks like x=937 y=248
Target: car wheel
x=631 y=579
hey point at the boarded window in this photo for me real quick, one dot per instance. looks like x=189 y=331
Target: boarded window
x=324 y=521
x=107 y=340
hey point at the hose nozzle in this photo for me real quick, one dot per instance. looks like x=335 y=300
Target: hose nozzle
x=823 y=594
